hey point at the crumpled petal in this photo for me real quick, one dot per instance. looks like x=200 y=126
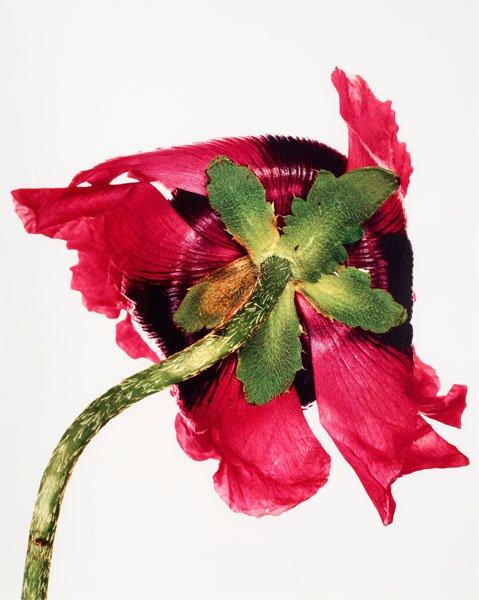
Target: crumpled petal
x=123 y=233
x=362 y=394
x=71 y=215
x=132 y=225
x=429 y=450
x=424 y=390
x=286 y=166
x=373 y=142
x=384 y=250
x=269 y=459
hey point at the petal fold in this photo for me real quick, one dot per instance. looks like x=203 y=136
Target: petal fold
x=269 y=459
x=429 y=450
x=424 y=390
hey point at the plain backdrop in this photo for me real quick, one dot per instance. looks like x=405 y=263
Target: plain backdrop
x=86 y=80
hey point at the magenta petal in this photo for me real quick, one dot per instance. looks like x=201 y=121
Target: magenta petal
x=51 y=211
x=123 y=233
x=135 y=227
x=177 y=167
x=373 y=141
x=195 y=443
x=372 y=129
x=149 y=241
x=269 y=459
x=362 y=394
x=72 y=216
x=286 y=166
x=131 y=342
x=424 y=390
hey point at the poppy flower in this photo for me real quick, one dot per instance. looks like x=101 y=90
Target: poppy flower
x=162 y=251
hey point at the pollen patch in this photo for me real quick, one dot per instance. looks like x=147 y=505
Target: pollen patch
x=217 y=297
x=229 y=287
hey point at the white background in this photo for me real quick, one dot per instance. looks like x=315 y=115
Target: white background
x=83 y=81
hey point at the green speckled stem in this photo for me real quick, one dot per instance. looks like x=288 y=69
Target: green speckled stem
x=275 y=272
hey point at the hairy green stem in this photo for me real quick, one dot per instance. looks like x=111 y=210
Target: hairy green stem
x=274 y=275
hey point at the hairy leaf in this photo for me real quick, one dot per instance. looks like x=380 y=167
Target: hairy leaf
x=238 y=196
x=349 y=298
x=269 y=360
x=331 y=216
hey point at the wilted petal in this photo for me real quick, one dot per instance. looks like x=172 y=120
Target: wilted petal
x=285 y=166
x=196 y=445
x=372 y=129
x=424 y=391
x=362 y=394
x=71 y=215
x=269 y=458
x=123 y=233
x=429 y=450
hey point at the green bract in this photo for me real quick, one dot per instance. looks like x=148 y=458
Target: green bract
x=312 y=244
x=348 y=297
x=240 y=199
x=331 y=216
x=269 y=360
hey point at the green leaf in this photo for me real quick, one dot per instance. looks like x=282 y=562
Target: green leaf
x=240 y=199
x=269 y=360
x=331 y=216
x=215 y=298
x=349 y=298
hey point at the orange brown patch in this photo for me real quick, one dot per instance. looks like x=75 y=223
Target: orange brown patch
x=228 y=288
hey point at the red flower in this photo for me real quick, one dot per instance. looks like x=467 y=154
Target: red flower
x=139 y=252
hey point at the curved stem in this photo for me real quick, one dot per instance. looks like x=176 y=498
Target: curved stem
x=204 y=353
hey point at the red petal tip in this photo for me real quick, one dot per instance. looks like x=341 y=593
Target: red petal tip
x=131 y=342
x=25 y=213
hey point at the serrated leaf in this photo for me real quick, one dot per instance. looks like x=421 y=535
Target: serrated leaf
x=349 y=298
x=331 y=216
x=269 y=360
x=216 y=297
x=238 y=196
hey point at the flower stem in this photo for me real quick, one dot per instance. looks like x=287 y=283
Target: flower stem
x=274 y=274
